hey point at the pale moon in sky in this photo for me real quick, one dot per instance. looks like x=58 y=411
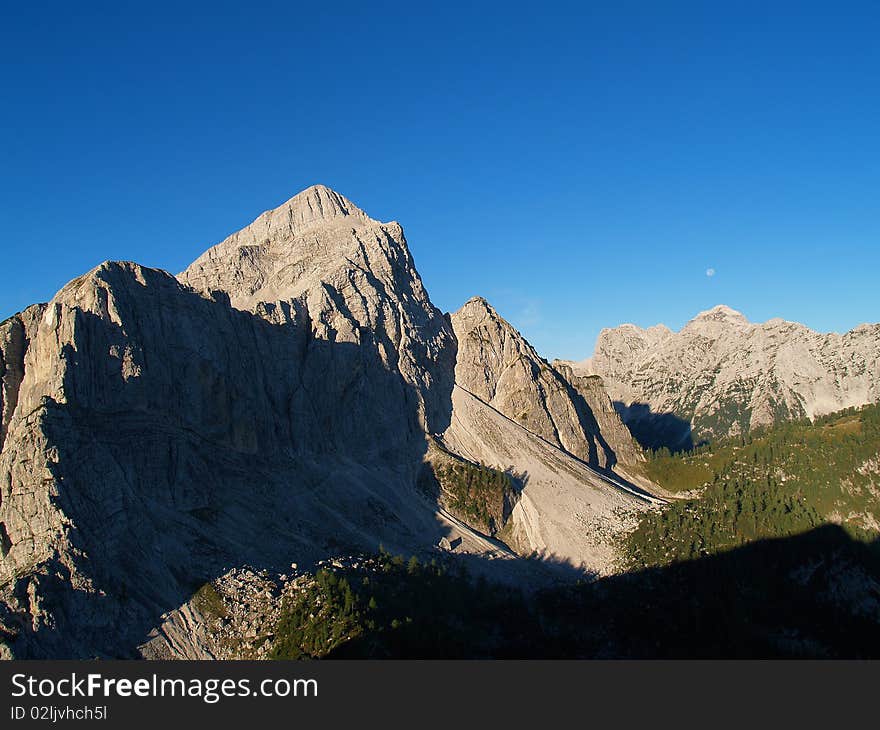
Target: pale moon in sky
x=710 y=272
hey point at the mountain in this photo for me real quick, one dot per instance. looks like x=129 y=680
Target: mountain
x=291 y=396
x=722 y=375
x=513 y=411
x=351 y=282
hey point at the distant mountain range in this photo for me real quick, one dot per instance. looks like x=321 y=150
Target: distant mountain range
x=722 y=375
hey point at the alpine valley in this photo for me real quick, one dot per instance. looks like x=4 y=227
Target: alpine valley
x=288 y=451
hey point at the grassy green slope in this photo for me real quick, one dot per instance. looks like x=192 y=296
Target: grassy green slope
x=774 y=483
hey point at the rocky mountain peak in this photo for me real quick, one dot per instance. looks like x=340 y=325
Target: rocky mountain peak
x=719 y=314
x=319 y=205
x=497 y=365
x=724 y=375
x=478 y=314
x=351 y=279
x=479 y=303
x=316 y=238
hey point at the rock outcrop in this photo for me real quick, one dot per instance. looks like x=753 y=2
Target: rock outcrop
x=608 y=424
x=724 y=375
x=514 y=411
x=15 y=337
x=319 y=256
x=497 y=365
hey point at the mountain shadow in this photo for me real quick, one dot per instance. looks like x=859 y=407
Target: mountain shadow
x=655 y=430
x=815 y=595
x=590 y=426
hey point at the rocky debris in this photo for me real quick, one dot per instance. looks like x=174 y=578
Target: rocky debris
x=230 y=617
x=242 y=611
x=235 y=615
x=870 y=467
x=726 y=375
x=571 y=508
x=567 y=513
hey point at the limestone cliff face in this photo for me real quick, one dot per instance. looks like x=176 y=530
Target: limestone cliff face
x=160 y=435
x=497 y=365
x=352 y=276
x=592 y=389
x=725 y=375
x=15 y=337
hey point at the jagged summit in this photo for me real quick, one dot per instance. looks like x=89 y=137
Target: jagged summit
x=479 y=301
x=720 y=313
x=317 y=237
x=478 y=315
x=720 y=318
x=481 y=308
x=497 y=365
x=725 y=375
x=317 y=204
x=317 y=208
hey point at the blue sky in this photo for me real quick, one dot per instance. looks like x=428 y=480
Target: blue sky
x=579 y=165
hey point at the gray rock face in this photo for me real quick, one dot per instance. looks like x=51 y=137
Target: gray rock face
x=610 y=427
x=513 y=411
x=351 y=276
x=726 y=375
x=15 y=336
x=498 y=366
x=160 y=435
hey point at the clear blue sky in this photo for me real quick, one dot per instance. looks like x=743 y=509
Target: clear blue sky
x=580 y=165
